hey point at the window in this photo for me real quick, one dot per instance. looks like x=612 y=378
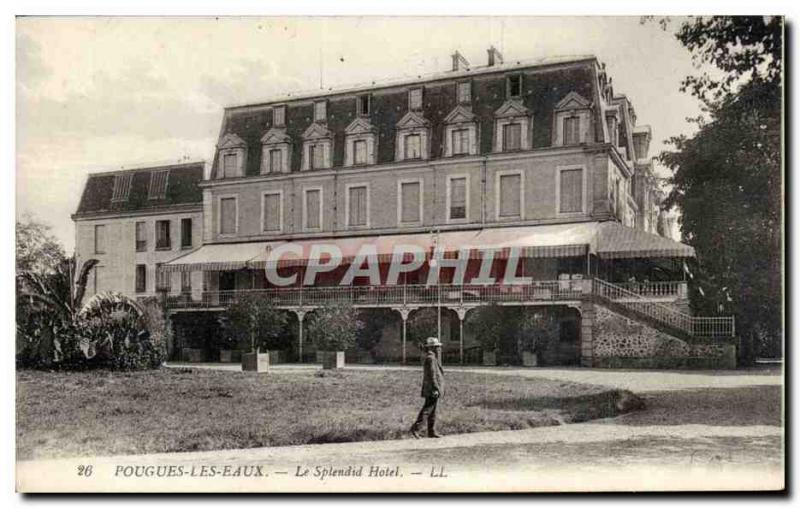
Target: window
x=316 y=156
x=313 y=208
x=141 y=237
x=570 y=194
x=275 y=163
x=100 y=239
x=158 y=185
x=186 y=233
x=186 y=282
x=509 y=195
x=458 y=198
x=230 y=165
x=163 y=241
x=122 y=187
x=141 y=278
x=415 y=99
x=279 y=116
x=227 y=216
x=320 y=111
x=164 y=281
x=460 y=140
x=357 y=203
x=412 y=148
x=271 y=219
x=572 y=125
x=362 y=105
x=410 y=203
x=613 y=133
x=515 y=85
x=464 y=93
x=512 y=137
x=359 y=151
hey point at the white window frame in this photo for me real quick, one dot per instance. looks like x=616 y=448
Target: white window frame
x=347 y=204
x=497 y=176
x=306 y=190
x=400 y=183
x=324 y=104
x=264 y=194
x=240 y=156
x=584 y=179
x=450 y=178
x=219 y=215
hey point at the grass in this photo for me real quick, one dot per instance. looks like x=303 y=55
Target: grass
x=104 y=413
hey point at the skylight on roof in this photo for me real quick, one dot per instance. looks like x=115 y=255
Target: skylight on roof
x=158 y=185
x=122 y=187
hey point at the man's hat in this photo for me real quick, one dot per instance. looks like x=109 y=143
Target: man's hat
x=432 y=342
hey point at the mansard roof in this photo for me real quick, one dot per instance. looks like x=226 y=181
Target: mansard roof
x=360 y=126
x=460 y=114
x=182 y=190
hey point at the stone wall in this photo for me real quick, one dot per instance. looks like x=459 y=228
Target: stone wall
x=619 y=342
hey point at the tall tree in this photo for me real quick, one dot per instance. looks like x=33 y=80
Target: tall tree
x=36 y=249
x=727 y=177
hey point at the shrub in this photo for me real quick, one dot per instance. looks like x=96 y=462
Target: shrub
x=254 y=320
x=334 y=327
x=422 y=323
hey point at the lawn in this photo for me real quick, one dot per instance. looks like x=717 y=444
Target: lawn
x=63 y=414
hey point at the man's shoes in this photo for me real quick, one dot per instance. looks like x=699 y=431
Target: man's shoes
x=434 y=434
x=414 y=432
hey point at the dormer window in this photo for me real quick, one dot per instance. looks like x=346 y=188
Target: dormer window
x=460 y=140
x=320 y=111
x=460 y=132
x=412 y=148
x=360 y=143
x=514 y=85
x=279 y=116
x=317 y=147
x=413 y=134
x=362 y=105
x=158 y=185
x=512 y=127
x=415 y=99
x=613 y=130
x=232 y=152
x=275 y=160
x=464 y=92
x=275 y=151
x=571 y=120
x=122 y=187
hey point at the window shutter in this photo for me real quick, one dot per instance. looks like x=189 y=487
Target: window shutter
x=358 y=206
x=312 y=209
x=510 y=205
x=458 y=198
x=409 y=199
x=571 y=187
x=272 y=213
x=227 y=216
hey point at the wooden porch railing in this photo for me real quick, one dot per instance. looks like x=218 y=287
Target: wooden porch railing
x=658 y=289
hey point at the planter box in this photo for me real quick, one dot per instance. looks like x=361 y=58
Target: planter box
x=529 y=359
x=332 y=359
x=489 y=358
x=319 y=356
x=226 y=355
x=189 y=354
x=255 y=362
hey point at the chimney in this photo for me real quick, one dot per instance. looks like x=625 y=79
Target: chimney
x=459 y=62
x=494 y=56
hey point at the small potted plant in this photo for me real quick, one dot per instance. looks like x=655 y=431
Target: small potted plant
x=489 y=325
x=334 y=328
x=254 y=320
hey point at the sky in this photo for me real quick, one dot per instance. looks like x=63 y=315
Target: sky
x=98 y=94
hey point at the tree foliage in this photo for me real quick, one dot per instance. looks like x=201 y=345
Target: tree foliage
x=334 y=327
x=727 y=178
x=254 y=320
x=36 y=249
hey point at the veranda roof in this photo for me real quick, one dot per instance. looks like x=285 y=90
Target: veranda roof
x=609 y=240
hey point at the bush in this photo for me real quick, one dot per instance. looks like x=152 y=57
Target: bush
x=254 y=321
x=334 y=327
x=422 y=323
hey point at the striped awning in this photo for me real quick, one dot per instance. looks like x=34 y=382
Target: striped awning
x=217 y=257
x=615 y=241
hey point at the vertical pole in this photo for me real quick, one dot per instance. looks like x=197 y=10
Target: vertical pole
x=461 y=337
x=439 y=314
x=300 y=316
x=404 y=316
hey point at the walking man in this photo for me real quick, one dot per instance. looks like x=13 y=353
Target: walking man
x=432 y=388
